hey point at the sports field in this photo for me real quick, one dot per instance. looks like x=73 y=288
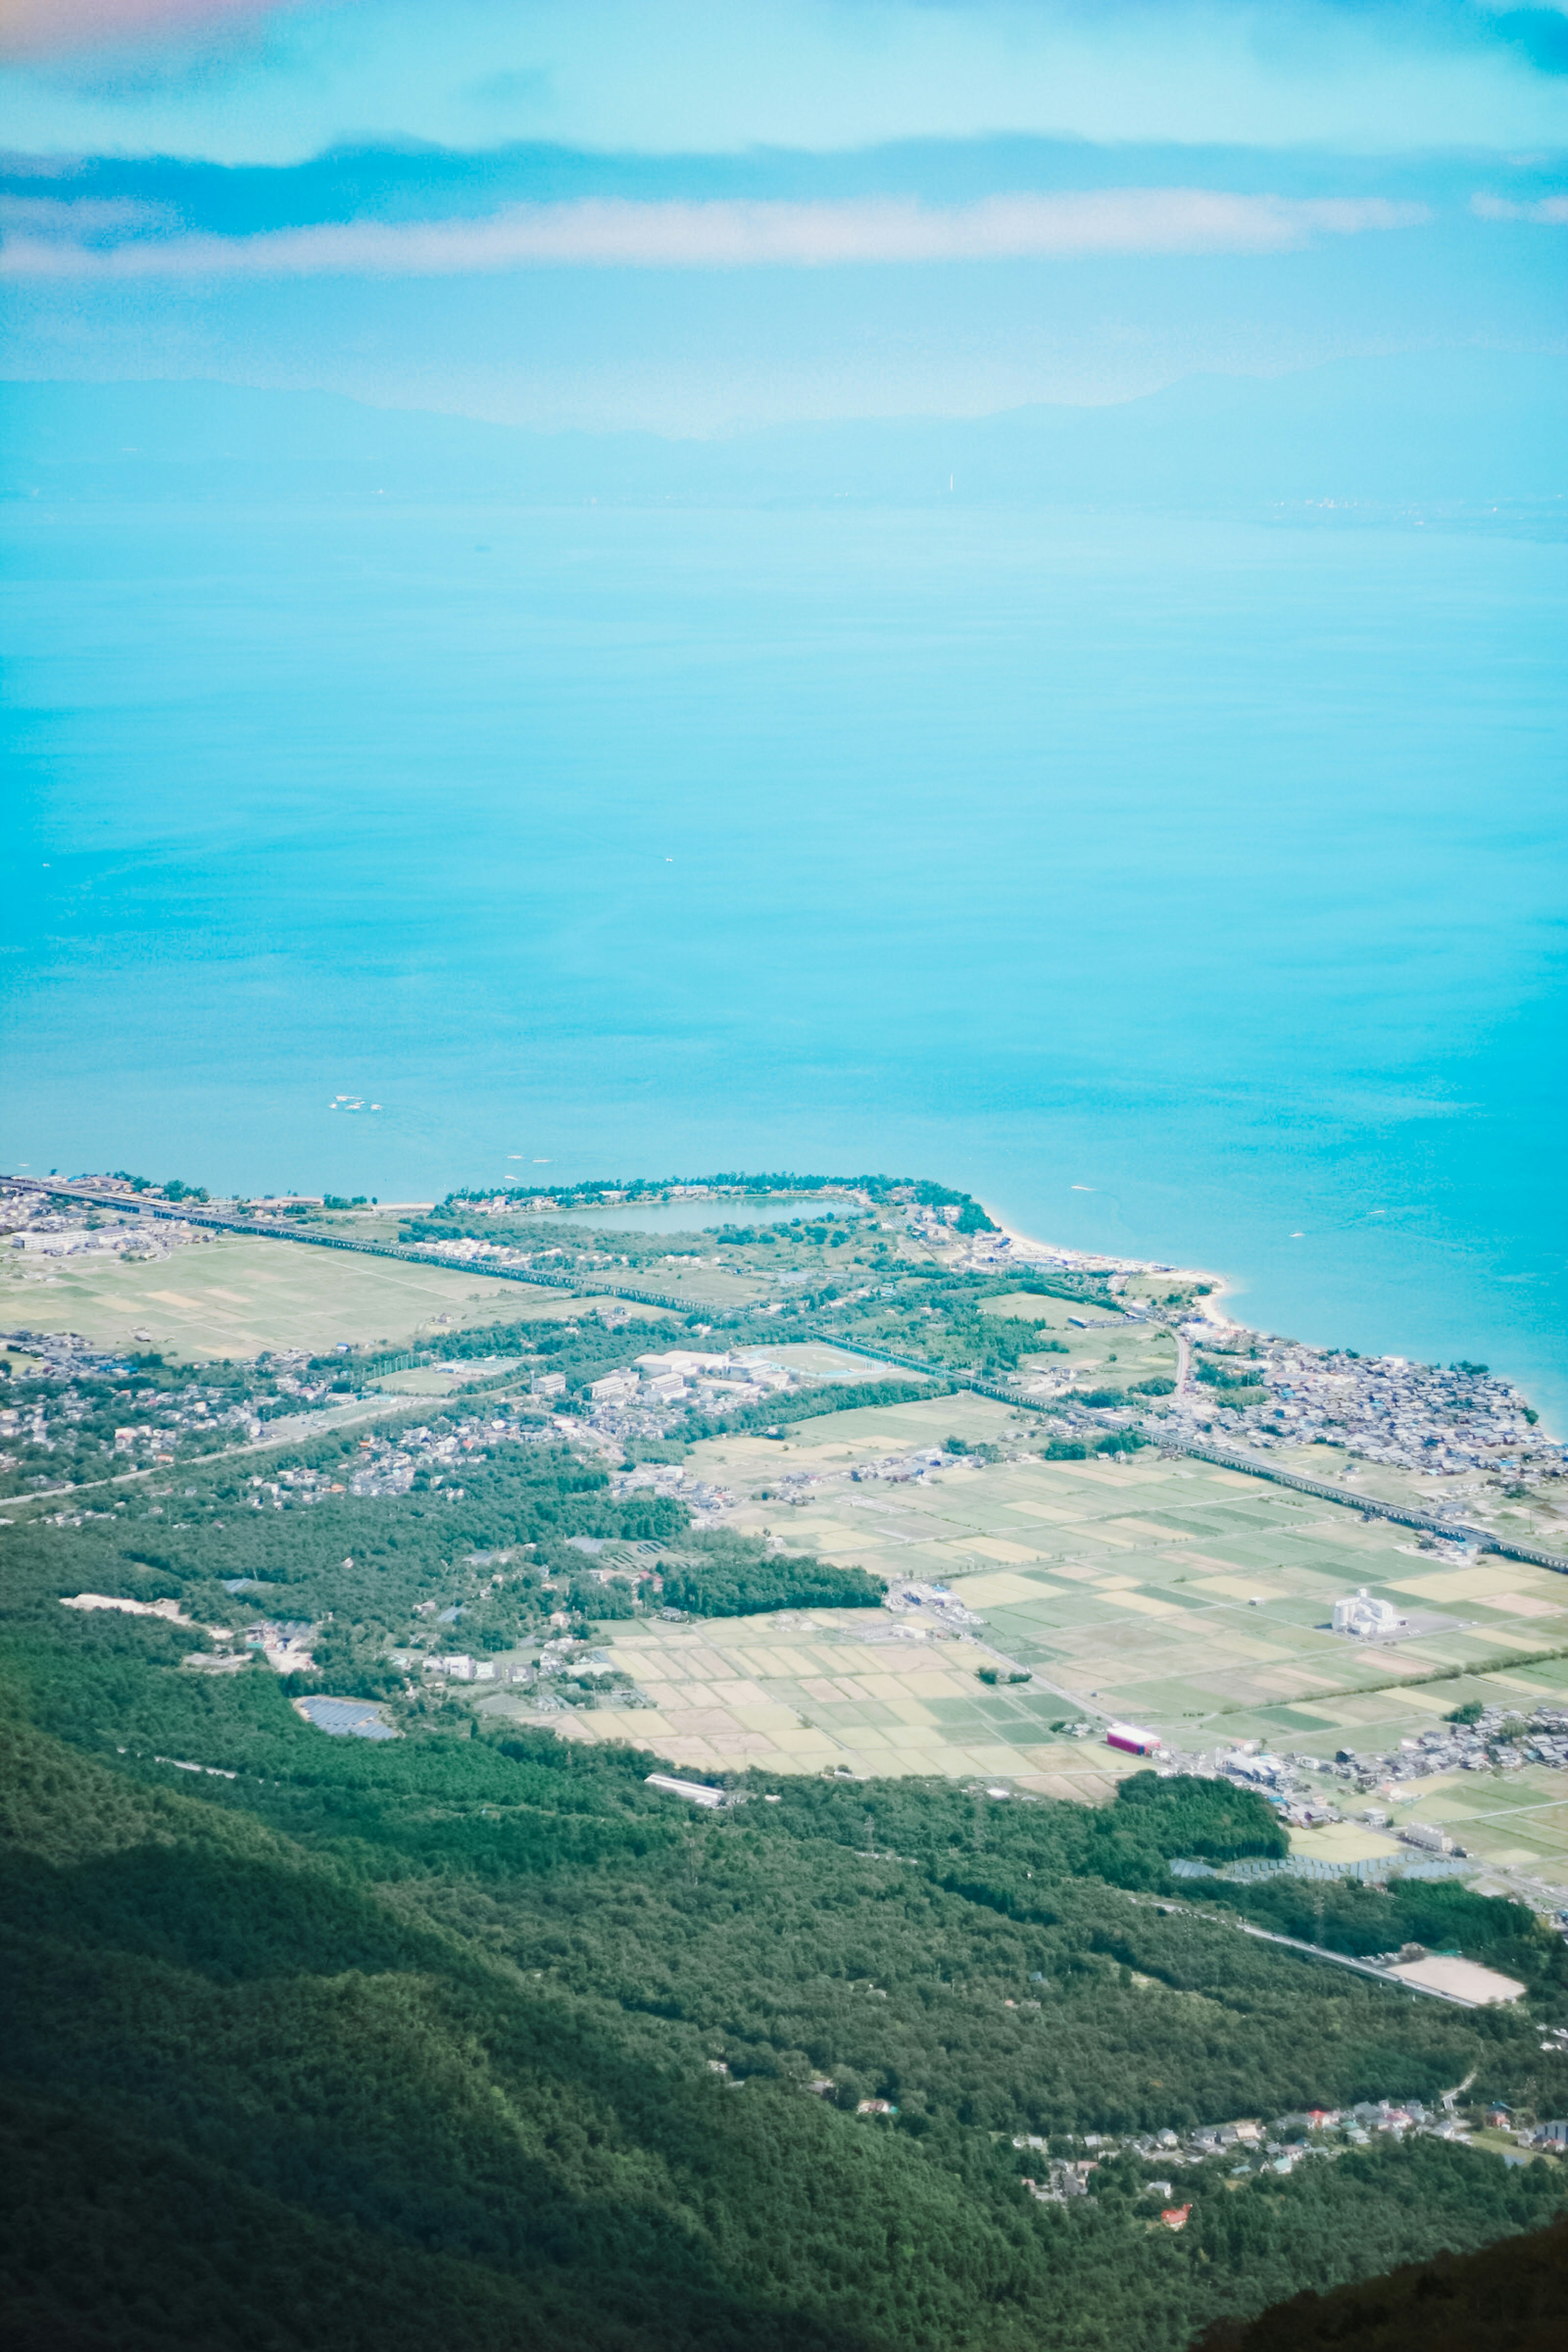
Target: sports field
x=1188 y=1598
x=234 y=1297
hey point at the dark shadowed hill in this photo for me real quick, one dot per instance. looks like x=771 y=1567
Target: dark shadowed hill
x=1511 y=2297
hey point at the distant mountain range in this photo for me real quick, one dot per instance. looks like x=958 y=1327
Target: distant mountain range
x=1472 y=428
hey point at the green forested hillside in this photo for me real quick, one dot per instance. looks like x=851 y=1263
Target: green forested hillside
x=474 y=2036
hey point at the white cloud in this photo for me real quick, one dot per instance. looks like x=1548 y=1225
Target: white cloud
x=732 y=235
x=1551 y=210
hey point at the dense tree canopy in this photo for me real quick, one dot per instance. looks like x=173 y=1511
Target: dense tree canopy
x=733 y=1576
x=1510 y=2297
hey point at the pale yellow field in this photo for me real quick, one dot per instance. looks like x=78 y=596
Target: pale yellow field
x=803 y=1692
x=233 y=1296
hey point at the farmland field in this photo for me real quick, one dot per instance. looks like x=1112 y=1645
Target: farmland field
x=229 y=1297
x=1189 y=1599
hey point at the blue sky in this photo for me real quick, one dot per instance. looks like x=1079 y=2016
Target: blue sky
x=694 y=217
x=242 y=82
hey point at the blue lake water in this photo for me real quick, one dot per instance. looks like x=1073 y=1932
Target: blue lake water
x=1190 y=889
x=700 y=1216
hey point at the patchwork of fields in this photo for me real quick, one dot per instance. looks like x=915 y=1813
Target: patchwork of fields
x=1188 y=1598
x=805 y=1691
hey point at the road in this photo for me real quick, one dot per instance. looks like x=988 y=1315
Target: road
x=1307 y=1951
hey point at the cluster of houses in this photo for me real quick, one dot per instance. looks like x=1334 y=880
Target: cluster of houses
x=459 y=1667
x=1423 y=1417
x=934 y=1226
x=1500 y=1740
x=386 y=1466
x=34 y=1225
x=45 y=1417
x=705 y=1498
x=470 y=1252
x=1254 y=2146
x=560 y=1663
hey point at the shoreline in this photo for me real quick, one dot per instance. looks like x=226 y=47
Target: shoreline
x=1208 y=1307
x=1526 y=1445
x=1405 y=1413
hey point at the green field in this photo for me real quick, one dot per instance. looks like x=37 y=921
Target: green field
x=230 y=1297
x=1113 y=1354
x=1189 y=1599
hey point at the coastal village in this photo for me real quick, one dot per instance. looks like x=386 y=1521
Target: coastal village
x=1445 y=1423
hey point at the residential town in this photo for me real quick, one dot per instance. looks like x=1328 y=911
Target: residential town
x=1447 y=1424
x=1278 y=2146
x=36 y=1229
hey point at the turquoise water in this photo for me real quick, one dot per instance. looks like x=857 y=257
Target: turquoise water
x=1193 y=890
x=696 y=1216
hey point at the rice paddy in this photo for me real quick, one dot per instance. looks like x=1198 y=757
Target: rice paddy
x=1187 y=1599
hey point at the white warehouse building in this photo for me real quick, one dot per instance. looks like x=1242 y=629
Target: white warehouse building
x=1358 y=1613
